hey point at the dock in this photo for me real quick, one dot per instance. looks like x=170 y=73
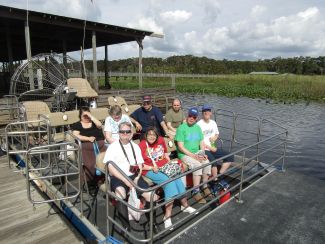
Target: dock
x=21 y=222
x=283 y=207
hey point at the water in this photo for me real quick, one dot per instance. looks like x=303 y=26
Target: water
x=305 y=124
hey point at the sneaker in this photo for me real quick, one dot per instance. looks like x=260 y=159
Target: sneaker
x=188 y=209
x=168 y=223
x=198 y=198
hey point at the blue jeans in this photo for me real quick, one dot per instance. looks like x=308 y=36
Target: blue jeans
x=171 y=189
x=218 y=154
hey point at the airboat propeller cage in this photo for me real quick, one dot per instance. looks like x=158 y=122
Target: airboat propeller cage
x=46 y=75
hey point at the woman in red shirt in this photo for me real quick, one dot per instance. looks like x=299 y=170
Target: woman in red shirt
x=155 y=155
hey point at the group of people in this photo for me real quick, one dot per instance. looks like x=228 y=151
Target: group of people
x=195 y=141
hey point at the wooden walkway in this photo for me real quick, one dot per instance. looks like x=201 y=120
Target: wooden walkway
x=20 y=222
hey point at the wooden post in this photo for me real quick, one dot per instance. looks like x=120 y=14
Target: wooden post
x=140 y=62
x=29 y=57
x=173 y=80
x=107 y=85
x=95 y=80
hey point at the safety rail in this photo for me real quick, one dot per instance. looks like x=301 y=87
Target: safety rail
x=245 y=169
x=60 y=167
x=44 y=162
x=9 y=112
x=254 y=157
x=20 y=137
x=252 y=129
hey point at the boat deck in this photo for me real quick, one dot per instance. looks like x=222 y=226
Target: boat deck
x=20 y=222
x=281 y=208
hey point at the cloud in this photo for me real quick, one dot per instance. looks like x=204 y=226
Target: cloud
x=212 y=10
x=257 y=11
x=302 y=33
x=71 y=8
x=146 y=23
x=218 y=29
x=174 y=17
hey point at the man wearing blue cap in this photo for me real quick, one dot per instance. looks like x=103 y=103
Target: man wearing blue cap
x=190 y=143
x=211 y=133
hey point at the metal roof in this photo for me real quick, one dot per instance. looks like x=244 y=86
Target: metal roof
x=49 y=31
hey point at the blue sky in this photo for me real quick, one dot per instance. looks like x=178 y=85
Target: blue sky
x=231 y=29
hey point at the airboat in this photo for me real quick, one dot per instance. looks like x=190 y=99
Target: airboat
x=45 y=95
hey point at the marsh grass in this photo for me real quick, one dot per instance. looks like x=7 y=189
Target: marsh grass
x=276 y=87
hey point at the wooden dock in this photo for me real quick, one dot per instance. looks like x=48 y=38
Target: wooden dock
x=20 y=222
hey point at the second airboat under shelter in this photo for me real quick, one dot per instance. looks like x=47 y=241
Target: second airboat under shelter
x=28 y=33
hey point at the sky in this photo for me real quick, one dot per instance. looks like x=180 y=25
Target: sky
x=218 y=29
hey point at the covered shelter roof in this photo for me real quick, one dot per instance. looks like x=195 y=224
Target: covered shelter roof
x=49 y=32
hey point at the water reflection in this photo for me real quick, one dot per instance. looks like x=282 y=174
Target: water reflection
x=305 y=123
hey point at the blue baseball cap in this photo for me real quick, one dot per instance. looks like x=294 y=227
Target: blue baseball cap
x=206 y=107
x=193 y=112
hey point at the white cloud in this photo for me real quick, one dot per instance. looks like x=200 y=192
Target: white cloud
x=215 y=28
x=212 y=10
x=174 y=17
x=146 y=23
x=257 y=11
x=292 y=35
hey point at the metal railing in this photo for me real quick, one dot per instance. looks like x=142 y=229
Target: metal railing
x=264 y=149
x=247 y=167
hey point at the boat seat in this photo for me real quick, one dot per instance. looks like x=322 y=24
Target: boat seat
x=131 y=109
x=82 y=86
x=32 y=110
x=99 y=113
x=120 y=101
x=60 y=119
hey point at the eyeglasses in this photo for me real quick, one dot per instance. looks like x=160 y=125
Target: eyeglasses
x=192 y=116
x=124 y=131
x=146 y=103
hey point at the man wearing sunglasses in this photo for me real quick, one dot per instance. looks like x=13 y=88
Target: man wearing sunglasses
x=190 y=146
x=128 y=158
x=148 y=116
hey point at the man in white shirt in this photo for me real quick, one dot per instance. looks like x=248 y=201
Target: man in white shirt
x=128 y=158
x=211 y=133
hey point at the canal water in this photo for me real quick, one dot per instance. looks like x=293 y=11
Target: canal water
x=305 y=123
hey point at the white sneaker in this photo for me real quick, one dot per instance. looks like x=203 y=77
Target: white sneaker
x=188 y=209
x=168 y=223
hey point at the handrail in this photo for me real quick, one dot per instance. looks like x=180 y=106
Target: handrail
x=248 y=168
x=49 y=149
x=153 y=189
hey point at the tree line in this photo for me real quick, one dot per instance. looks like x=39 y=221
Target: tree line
x=189 y=64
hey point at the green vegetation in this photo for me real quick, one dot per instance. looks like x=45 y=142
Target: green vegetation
x=189 y=64
x=276 y=87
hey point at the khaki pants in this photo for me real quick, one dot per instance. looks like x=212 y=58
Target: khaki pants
x=193 y=163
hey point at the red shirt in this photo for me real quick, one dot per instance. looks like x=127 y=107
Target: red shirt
x=157 y=151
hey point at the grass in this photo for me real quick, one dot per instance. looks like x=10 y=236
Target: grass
x=277 y=87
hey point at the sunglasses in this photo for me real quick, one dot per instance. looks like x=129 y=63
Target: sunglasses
x=124 y=131
x=192 y=116
x=146 y=103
